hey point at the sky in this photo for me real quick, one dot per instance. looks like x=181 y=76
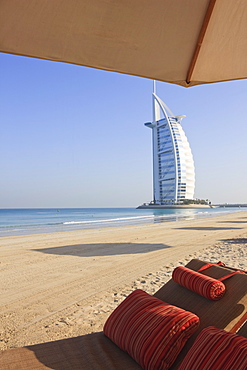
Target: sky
x=73 y=136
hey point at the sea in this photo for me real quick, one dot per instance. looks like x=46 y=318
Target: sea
x=49 y=220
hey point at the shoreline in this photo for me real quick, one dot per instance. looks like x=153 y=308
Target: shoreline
x=176 y=206
x=91 y=222
x=66 y=284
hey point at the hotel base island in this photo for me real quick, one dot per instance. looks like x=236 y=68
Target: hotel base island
x=173 y=164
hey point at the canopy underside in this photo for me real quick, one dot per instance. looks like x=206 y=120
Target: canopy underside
x=185 y=42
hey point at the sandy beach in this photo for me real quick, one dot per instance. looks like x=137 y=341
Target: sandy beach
x=61 y=285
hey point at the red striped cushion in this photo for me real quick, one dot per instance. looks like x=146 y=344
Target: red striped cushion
x=150 y=330
x=216 y=349
x=201 y=284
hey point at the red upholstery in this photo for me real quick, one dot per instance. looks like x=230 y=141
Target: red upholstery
x=201 y=284
x=150 y=330
x=216 y=349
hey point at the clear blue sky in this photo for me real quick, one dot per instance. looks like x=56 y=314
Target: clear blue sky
x=73 y=136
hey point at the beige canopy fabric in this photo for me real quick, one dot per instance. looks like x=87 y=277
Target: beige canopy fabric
x=187 y=42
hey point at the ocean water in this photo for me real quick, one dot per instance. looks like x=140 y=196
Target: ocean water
x=48 y=220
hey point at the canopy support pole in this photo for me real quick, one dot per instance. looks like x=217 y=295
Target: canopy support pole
x=200 y=39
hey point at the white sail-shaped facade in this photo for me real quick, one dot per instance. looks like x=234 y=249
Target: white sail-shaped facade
x=173 y=165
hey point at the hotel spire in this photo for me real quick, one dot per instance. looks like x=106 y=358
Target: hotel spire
x=173 y=165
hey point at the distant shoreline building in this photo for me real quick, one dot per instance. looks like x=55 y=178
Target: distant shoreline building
x=173 y=165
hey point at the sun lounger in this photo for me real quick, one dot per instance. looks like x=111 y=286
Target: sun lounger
x=223 y=314
x=96 y=351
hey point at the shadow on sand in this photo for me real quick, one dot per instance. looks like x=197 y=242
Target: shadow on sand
x=107 y=249
x=232 y=222
x=235 y=241
x=207 y=228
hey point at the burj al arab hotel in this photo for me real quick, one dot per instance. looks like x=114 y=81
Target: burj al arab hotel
x=173 y=165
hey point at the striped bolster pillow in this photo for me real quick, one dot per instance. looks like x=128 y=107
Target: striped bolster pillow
x=216 y=349
x=201 y=284
x=151 y=331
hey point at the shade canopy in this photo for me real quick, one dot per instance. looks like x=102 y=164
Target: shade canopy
x=186 y=42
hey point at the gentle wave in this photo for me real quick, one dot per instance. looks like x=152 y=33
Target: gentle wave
x=107 y=220
x=119 y=220
x=31 y=225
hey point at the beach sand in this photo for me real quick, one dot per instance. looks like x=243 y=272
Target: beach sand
x=60 y=285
